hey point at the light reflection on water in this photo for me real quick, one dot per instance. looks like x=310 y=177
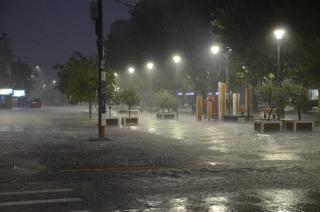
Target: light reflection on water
x=222 y=149
x=217 y=204
x=281 y=200
x=178 y=205
x=217 y=208
x=280 y=156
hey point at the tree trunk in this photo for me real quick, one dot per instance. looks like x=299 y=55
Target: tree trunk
x=110 y=111
x=129 y=111
x=270 y=113
x=163 y=110
x=168 y=110
x=299 y=113
x=90 y=109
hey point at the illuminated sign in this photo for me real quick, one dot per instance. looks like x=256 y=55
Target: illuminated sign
x=19 y=93
x=6 y=91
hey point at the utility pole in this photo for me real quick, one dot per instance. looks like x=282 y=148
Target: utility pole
x=96 y=15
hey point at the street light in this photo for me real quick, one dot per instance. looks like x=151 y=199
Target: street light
x=176 y=59
x=215 y=49
x=278 y=33
x=54 y=82
x=150 y=66
x=131 y=70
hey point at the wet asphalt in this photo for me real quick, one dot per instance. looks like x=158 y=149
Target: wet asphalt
x=50 y=160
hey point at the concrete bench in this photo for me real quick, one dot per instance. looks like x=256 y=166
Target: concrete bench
x=296 y=125
x=129 y=121
x=166 y=115
x=267 y=126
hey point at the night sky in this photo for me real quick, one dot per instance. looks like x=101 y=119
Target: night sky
x=46 y=32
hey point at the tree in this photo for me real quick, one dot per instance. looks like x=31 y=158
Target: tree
x=78 y=79
x=159 y=29
x=164 y=100
x=296 y=94
x=268 y=92
x=113 y=100
x=247 y=28
x=130 y=97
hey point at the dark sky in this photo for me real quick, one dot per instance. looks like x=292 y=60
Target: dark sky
x=46 y=32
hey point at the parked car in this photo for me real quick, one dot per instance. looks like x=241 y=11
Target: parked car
x=35 y=103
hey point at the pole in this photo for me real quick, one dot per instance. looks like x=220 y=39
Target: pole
x=227 y=84
x=176 y=85
x=150 y=92
x=278 y=64
x=102 y=80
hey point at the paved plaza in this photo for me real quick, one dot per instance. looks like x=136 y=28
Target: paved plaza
x=50 y=161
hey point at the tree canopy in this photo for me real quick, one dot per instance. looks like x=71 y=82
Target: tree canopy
x=130 y=98
x=164 y=100
x=158 y=29
x=78 y=80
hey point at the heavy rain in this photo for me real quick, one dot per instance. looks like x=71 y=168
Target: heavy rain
x=159 y=105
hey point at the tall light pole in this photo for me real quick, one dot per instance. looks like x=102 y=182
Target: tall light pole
x=131 y=71
x=150 y=66
x=278 y=33
x=176 y=59
x=214 y=51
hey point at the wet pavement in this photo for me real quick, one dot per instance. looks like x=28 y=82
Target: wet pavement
x=159 y=165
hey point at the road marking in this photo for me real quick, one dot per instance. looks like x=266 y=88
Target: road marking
x=36 y=191
x=44 y=201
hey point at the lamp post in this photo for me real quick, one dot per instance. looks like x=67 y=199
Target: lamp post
x=176 y=59
x=214 y=51
x=150 y=66
x=278 y=33
x=131 y=71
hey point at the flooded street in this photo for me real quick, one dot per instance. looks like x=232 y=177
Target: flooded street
x=159 y=165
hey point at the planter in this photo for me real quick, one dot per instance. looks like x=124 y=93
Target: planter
x=267 y=126
x=112 y=121
x=129 y=121
x=296 y=125
x=166 y=115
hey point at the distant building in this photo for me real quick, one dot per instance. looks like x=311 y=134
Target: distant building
x=6 y=58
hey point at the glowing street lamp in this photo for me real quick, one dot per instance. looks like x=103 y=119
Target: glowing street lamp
x=176 y=59
x=215 y=49
x=131 y=70
x=278 y=34
x=150 y=67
